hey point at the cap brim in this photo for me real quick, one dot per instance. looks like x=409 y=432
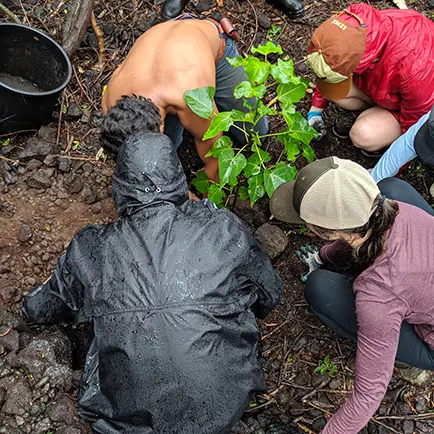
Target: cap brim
x=424 y=145
x=334 y=91
x=281 y=205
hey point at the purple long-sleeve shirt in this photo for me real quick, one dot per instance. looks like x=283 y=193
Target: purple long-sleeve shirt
x=398 y=285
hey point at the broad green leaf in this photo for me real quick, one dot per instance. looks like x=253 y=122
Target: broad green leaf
x=248 y=105
x=288 y=108
x=223 y=142
x=290 y=92
x=279 y=175
x=246 y=90
x=216 y=194
x=243 y=193
x=308 y=153
x=253 y=166
x=259 y=91
x=236 y=62
x=263 y=110
x=268 y=48
x=299 y=128
x=283 y=72
x=257 y=71
x=256 y=188
x=243 y=89
x=292 y=145
x=222 y=122
x=239 y=116
x=201 y=182
x=200 y=100
x=230 y=166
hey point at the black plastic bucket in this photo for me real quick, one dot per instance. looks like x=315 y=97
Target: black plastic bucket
x=34 y=69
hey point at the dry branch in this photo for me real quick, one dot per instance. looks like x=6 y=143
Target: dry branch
x=9 y=13
x=76 y=24
x=100 y=36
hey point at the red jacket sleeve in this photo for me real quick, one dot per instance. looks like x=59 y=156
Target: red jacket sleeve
x=415 y=88
x=318 y=100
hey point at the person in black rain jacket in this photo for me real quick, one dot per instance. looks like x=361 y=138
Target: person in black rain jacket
x=170 y=290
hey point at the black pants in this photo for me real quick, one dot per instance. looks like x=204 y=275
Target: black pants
x=330 y=295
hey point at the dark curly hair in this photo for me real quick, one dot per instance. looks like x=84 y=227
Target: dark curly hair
x=131 y=115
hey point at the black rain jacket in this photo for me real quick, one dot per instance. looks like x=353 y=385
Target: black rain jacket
x=170 y=291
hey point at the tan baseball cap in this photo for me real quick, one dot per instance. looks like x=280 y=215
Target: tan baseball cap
x=334 y=52
x=330 y=193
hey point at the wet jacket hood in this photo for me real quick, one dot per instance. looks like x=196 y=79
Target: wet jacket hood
x=148 y=172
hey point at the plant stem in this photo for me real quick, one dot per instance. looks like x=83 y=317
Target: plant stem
x=9 y=13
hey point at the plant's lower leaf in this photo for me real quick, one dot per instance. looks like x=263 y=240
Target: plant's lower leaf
x=308 y=153
x=290 y=92
x=283 y=71
x=253 y=166
x=299 y=128
x=277 y=176
x=230 y=166
x=236 y=62
x=200 y=101
x=239 y=116
x=216 y=194
x=201 y=182
x=243 y=89
x=243 y=193
x=222 y=122
x=292 y=145
x=257 y=70
x=263 y=110
x=224 y=142
x=256 y=188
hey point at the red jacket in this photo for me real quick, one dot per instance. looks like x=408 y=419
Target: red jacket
x=397 y=67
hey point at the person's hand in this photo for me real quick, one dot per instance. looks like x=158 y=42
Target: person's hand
x=192 y=196
x=309 y=256
x=316 y=121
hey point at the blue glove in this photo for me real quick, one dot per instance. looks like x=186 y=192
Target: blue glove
x=316 y=121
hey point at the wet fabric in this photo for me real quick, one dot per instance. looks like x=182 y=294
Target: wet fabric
x=170 y=291
x=397 y=68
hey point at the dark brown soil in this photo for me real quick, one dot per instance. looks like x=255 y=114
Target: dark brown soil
x=43 y=203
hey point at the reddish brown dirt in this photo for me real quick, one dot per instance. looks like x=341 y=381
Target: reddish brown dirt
x=37 y=224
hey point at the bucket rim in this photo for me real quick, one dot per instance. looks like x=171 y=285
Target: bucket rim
x=62 y=51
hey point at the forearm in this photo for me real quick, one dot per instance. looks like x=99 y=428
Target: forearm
x=400 y=152
x=211 y=167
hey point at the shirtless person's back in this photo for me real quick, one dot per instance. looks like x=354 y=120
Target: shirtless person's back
x=170 y=59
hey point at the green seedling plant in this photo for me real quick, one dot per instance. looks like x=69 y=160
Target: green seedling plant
x=273 y=32
x=326 y=366
x=248 y=167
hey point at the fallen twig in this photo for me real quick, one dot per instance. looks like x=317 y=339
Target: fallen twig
x=25 y=13
x=7 y=331
x=88 y=159
x=422 y=416
x=9 y=13
x=102 y=56
x=256 y=25
x=312 y=392
x=60 y=121
x=274 y=331
x=9 y=160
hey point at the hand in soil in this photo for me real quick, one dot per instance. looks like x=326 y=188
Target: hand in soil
x=192 y=196
x=309 y=255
